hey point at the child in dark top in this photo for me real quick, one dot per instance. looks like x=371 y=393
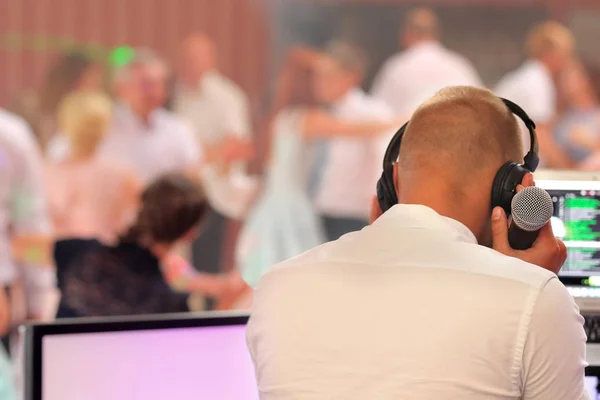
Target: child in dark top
x=126 y=279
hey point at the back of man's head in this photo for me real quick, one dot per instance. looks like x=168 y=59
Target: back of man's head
x=420 y=24
x=460 y=134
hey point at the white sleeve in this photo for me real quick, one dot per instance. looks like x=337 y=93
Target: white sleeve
x=30 y=217
x=554 y=354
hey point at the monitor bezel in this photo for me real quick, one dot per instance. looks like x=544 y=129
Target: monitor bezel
x=34 y=334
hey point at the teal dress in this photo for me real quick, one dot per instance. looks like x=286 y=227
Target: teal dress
x=283 y=223
x=7 y=377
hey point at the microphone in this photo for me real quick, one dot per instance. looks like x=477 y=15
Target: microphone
x=531 y=209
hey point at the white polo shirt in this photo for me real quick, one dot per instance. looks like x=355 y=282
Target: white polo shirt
x=412 y=307
x=353 y=166
x=411 y=77
x=217 y=108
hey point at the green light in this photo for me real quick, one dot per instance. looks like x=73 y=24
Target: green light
x=121 y=56
x=594 y=280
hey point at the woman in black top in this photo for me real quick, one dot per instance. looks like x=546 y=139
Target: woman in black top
x=126 y=279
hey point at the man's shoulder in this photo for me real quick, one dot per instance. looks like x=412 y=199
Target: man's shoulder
x=528 y=74
x=15 y=130
x=508 y=268
x=225 y=88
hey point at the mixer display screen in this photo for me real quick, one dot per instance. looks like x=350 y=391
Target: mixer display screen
x=576 y=220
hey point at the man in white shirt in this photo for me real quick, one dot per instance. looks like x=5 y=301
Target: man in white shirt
x=144 y=136
x=429 y=301
x=425 y=66
x=219 y=113
x=352 y=166
x=549 y=49
x=23 y=219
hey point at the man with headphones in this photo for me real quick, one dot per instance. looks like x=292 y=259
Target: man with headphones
x=429 y=301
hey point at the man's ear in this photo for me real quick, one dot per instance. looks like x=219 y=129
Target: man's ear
x=375 y=210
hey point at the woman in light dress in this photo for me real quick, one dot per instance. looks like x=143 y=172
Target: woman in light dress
x=89 y=196
x=578 y=128
x=283 y=224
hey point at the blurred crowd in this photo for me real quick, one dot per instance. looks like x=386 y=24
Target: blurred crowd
x=129 y=184
x=127 y=190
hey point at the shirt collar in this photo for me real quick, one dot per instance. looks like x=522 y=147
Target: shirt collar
x=422 y=217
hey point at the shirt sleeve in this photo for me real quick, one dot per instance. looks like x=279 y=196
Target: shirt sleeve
x=554 y=353
x=29 y=216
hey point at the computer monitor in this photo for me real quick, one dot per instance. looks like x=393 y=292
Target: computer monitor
x=180 y=357
x=576 y=221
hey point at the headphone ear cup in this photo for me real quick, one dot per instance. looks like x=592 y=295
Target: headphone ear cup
x=386 y=191
x=509 y=176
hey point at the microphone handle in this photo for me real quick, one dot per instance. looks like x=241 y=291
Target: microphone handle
x=520 y=239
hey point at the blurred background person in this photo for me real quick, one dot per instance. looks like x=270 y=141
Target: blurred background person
x=7 y=375
x=409 y=78
x=27 y=277
x=577 y=130
x=90 y=196
x=128 y=278
x=352 y=165
x=143 y=135
x=74 y=71
x=219 y=113
x=283 y=222
x=549 y=48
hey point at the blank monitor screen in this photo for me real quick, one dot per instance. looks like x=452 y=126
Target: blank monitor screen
x=209 y=362
x=576 y=221
x=591 y=386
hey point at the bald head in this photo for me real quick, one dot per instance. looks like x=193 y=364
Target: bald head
x=454 y=145
x=458 y=131
x=197 y=56
x=419 y=25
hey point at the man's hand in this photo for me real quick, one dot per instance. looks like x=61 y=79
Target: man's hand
x=547 y=251
x=233 y=149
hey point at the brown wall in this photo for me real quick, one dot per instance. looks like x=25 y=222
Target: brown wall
x=30 y=33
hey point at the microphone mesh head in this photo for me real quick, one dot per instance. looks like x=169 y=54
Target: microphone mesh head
x=531 y=208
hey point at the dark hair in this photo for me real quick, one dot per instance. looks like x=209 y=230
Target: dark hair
x=62 y=78
x=171 y=206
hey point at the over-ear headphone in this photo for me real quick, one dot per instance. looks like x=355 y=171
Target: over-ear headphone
x=505 y=183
